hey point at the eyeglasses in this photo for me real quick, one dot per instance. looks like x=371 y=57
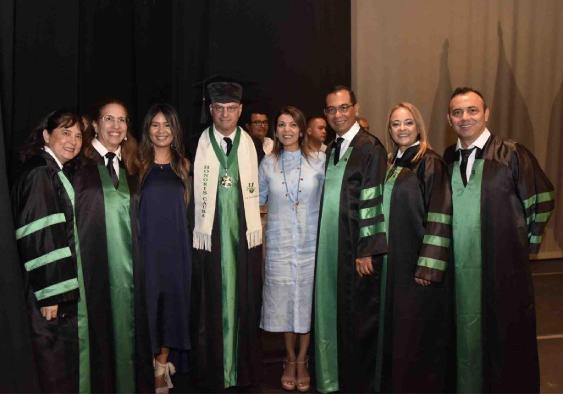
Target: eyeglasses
x=260 y=123
x=230 y=109
x=341 y=108
x=112 y=119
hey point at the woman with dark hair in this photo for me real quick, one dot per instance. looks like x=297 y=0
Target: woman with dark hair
x=106 y=204
x=291 y=181
x=166 y=242
x=43 y=208
x=415 y=299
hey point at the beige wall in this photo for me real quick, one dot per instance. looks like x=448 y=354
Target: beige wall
x=511 y=50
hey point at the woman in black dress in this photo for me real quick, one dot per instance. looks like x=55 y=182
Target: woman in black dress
x=42 y=201
x=166 y=242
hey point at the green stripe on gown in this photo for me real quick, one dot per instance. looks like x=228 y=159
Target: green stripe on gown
x=84 y=384
x=228 y=201
x=390 y=179
x=120 y=261
x=467 y=254
x=326 y=281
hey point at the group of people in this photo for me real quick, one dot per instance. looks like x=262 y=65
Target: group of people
x=402 y=271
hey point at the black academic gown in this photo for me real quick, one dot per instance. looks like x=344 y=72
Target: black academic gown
x=207 y=326
x=38 y=197
x=515 y=202
x=91 y=226
x=417 y=319
x=357 y=298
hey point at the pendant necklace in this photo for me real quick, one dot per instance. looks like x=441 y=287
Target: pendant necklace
x=226 y=180
x=287 y=193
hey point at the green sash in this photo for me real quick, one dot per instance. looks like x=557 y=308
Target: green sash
x=120 y=262
x=83 y=334
x=326 y=281
x=228 y=202
x=390 y=179
x=467 y=253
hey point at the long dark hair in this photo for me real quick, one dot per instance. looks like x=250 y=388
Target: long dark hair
x=128 y=145
x=180 y=165
x=59 y=118
x=299 y=119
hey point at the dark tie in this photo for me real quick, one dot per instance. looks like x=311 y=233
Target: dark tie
x=465 y=153
x=111 y=169
x=339 y=141
x=229 y=144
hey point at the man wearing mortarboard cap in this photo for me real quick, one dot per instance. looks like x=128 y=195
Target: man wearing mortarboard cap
x=227 y=241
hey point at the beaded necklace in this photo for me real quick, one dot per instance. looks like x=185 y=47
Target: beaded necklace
x=287 y=193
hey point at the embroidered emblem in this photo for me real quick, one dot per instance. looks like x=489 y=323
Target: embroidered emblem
x=250 y=187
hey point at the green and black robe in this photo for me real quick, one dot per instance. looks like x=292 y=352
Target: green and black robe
x=346 y=306
x=415 y=320
x=42 y=203
x=107 y=223
x=227 y=292
x=498 y=219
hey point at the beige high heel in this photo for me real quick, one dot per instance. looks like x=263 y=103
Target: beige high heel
x=164 y=370
x=303 y=382
x=288 y=379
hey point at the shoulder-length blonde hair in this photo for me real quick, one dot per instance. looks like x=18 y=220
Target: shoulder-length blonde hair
x=299 y=119
x=129 y=144
x=420 y=128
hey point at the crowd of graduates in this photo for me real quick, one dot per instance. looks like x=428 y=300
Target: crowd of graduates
x=385 y=266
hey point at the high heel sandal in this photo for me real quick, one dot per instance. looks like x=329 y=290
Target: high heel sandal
x=288 y=379
x=303 y=382
x=165 y=371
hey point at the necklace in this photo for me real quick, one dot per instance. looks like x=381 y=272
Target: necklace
x=226 y=180
x=287 y=193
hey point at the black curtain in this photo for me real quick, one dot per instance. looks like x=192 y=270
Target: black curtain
x=73 y=53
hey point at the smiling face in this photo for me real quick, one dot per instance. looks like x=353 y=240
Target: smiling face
x=287 y=132
x=402 y=128
x=65 y=141
x=468 y=117
x=225 y=116
x=341 y=120
x=111 y=126
x=160 y=132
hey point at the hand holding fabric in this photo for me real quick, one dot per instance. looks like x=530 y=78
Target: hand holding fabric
x=364 y=266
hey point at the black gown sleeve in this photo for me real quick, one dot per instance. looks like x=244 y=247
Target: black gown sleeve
x=536 y=193
x=435 y=251
x=44 y=230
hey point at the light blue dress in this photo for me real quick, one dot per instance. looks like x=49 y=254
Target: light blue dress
x=291 y=237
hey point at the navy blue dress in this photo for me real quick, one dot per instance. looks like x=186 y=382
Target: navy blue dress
x=167 y=248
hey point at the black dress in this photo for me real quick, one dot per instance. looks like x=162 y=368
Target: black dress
x=167 y=247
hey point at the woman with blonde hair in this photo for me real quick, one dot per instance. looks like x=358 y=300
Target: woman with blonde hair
x=106 y=204
x=413 y=335
x=165 y=239
x=291 y=182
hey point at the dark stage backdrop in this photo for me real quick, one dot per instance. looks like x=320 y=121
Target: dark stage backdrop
x=73 y=53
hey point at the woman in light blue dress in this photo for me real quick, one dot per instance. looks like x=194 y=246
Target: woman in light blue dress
x=291 y=181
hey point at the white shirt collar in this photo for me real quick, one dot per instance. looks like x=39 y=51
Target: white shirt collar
x=219 y=137
x=479 y=142
x=102 y=150
x=400 y=154
x=50 y=151
x=350 y=134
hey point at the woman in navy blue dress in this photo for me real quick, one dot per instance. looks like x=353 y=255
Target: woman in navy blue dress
x=165 y=239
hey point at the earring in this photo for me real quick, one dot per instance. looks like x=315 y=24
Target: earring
x=125 y=139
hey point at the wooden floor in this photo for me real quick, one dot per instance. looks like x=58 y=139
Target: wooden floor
x=548 y=282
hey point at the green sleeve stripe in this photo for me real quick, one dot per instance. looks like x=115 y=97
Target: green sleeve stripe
x=47 y=258
x=436 y=264
x=541 y=217
x=439 y=218
x=371 y=193
x=539 y=198
x=366 y=231
x=436 y=240
x=536 y=239
x=56 y=289
x=40 y=224
x=371 y=212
